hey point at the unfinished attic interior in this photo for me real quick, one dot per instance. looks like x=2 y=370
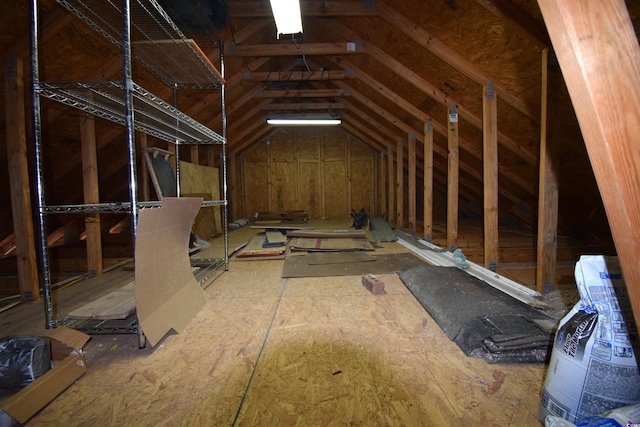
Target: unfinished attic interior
x=229 y=271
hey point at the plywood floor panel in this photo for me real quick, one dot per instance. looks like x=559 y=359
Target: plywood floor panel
x=266 y=351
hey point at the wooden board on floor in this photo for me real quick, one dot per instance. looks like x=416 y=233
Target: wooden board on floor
x=298 y=266
x=335 y=244
x=118 y=304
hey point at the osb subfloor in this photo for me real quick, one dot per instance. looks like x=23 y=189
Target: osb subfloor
x=267 y=351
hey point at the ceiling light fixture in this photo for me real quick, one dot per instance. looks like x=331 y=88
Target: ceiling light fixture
x=286 y=13
x=305 y=120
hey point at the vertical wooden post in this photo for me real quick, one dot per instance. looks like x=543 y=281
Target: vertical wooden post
x=19 y=179
x=392 y=187
x=211 y=158
x=270 y=197
x=194 y=155
x=376 y=186
x=490 y=175
x=400 y=185
x=91 y=194
x=382 y=186
x=349 y=183
x=428 y=181
x=599 y=55
x=231 y=193
x=145 y=191
x=547 y=243
x=412 y=182
x=452 y=179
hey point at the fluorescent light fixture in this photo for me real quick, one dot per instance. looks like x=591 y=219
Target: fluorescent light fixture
x=286 y=13
x=305 y=121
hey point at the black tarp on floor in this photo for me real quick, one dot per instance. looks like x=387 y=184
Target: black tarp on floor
x=482 y=320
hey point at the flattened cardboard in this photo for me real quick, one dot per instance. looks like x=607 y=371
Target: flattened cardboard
x=167 y=294
x=66 y=351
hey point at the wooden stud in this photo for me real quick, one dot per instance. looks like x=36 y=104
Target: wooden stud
x=383 y=181
x=400 y=185
x=428 y=181
x=452 y=179
x=232 y=192
x=19 y=179
x=145 y=191
x=391 y=186
x=599 y=55
x=490 y=175
x=91 y=194
x=547 y=242
x=412 y=182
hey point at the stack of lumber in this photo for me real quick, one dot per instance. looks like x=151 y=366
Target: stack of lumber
x=278 y=217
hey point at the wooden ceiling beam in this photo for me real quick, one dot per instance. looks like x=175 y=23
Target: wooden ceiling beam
x=301 y=93
x=599 y=54
x=429 y=89
x=299 y=106
x=297 y=76
x=290 y=49
x=521 y=20
x=453 y=58
x=262 y=9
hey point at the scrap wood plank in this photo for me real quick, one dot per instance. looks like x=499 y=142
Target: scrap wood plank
x=327 y=233
x=255 y=249
x=334 y=244
x=118 y=304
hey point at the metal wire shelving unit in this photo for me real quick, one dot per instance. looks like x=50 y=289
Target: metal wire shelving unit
x=145 y=33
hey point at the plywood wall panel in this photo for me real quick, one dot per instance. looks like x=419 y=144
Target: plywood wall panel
x=334 y=145
x=335 y=189
x=283 y=146
x=308 y=144
x=309 y=189
x=284 y=179
x=362 y=181
x=255 y=184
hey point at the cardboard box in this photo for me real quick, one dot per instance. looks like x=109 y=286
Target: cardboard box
x=69 y=365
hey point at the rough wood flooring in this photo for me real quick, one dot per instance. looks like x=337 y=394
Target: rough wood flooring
x=267 y=351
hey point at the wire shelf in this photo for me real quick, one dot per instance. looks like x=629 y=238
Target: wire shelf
x=157 y=43
x=152 y=115
x=115 y=207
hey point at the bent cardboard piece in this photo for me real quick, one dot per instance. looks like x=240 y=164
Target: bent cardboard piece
x=167 y=294
x=66 y=352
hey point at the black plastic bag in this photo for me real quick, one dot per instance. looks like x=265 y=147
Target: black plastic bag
x=22 y=360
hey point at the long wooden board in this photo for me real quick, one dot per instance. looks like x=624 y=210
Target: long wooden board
x=118 y=304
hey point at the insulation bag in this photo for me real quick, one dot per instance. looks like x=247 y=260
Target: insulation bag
x=22 y=360
x=593 y=368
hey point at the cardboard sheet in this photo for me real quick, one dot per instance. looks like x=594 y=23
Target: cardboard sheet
x=167 y=294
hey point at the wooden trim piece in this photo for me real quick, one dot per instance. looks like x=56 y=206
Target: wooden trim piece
x=490 y=176
x=19 y=179
x=599 y=55
x=452 y=178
